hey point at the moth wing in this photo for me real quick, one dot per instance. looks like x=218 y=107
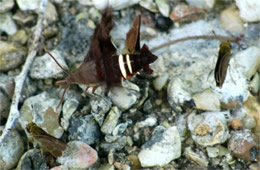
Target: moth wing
x=51 y=144
x=101 y=40
x=221 y=68
x=132 y=43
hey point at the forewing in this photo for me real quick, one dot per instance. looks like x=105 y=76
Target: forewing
x=101 y=40
x=132 y=43
x=51 y=144
x=221 y=68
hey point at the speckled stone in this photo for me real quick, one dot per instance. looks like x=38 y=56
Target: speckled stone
x=7 y=23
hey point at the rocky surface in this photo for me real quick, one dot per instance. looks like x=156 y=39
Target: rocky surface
x=175 y=118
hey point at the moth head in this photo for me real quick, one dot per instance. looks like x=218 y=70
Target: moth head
x=30 y=127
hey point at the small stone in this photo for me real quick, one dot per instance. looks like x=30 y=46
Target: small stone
x=51 y=14
x=120 y=128
x=99 y=107
x=11 y=149
x=85 y=129
x=231 y=21
x=134 y=161
x=162 y=148
x=253 y=109
x=186 y=13
x=236 y=124
x=160 y=81
x=78 y=155
x=11 y=55
x=24 y=18
x=20 y=37
x=69 y=107
x=122 y=166
x=111 y=120
x=198 y=157
x=7 y=85
x=213 y=152
x=164 y=7
x=118 y=145
x=32 y=159
x=41 y=109
x=208 y=128
x=242 y=145
x=177 y=92
x=150 y=121
x=249 y=10
x=149 y=4
x=28 y=4
x=6 y=5
x=7 y=24
x=204 y=4
x=249 y=122
x=86 y=2
x=115 y=4
x=123 y=98
x=207 y=100
x=4 y=105
x=44 y=67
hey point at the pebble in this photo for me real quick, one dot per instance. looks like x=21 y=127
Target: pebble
x=120 y=128
x=7 y=85
x=115 y=4
x=148 y=122
x=150 y=5
x=6 y=5
x=7 y=24
x=212 y=152
x=160 y=81
x=231 y=21
x=122 y=97
x=32 y=159
x=236 y=124
x=4 y=105
x=177 y=92
x=208 y=128
x=204 y=4
x=11 y=150
x=11 y=55
x=249 y=122
x=162 y=148
x=207 y=100
x=111 y=120
x=23 y=18
x=44 y=67
x=20 y=37
x=28 y=4
x=249 y=10
x=117 y=145
x=242 y=145
x=99 y=108
x=253 y=109
x=163 y=6
x=84 y=128
x=51 y=14
x=68 y=108
x=41 y=109
x=78 y=155
x=199 y=157
x=185 y=13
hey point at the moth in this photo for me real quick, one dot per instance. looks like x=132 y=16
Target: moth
x=49 y=143
x=102 y=65
x=224 y=56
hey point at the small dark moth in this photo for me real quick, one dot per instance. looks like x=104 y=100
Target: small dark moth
x=102 y=66
x=49 y=143
x=224 y=55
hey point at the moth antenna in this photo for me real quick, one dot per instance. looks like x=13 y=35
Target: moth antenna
x=63 y=94
x=55 y=60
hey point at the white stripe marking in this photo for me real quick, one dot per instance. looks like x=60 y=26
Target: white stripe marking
x=129 y=63
x=122 y=65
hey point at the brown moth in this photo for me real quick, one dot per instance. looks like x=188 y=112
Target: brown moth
x=102 y=66
x=49 y=143
x=222 y=63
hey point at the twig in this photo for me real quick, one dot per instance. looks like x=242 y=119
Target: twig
x=207 y=37
x=19 y=80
